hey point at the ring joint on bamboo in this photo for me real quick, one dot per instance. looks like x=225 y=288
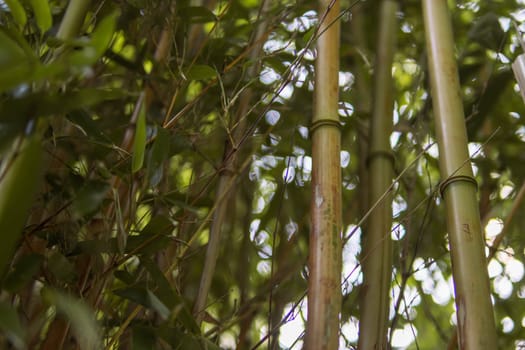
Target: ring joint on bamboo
x=380 y=154
x=458 y=178
x=325 y=122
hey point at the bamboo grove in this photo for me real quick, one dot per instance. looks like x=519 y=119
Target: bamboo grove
x=261 y=175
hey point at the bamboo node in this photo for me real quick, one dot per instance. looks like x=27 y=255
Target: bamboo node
x=451 y=179
x=325 y=122
x=380 y=153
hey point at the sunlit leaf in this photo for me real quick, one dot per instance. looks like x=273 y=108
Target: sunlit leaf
x=200 y=72
x=42 y=14
x=94 y=47
x=18 y=12
x=18 y=186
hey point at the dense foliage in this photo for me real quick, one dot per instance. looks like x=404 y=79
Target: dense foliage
x=137 y=113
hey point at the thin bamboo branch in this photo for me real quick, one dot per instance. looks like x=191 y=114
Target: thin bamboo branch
x=474 y=309
x=228 y=173
x=377 y=246
x=506 y=224
x=324 y=282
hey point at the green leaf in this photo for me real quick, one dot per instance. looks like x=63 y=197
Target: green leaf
x=159 y=153
x=61 y=268
x=10 y=127
x=17 y=11
x=183 y=340
x=15 y=65
x=487 y=32
x=146 y=244
x=95 y=246
x=159 y=224
x=11 y=326
x=95 y=47
x=90 y=197
x=125 y=276
x=78 y=314
x=164 y=289
x=45 y=103
x=153 y=237
x=23 y=272
x=42 y=14
x=103 y=33
x=197 y=14
x=139 y=144
x=144 y=297
x=18 y=186
x=144 y=338
x=84 y=121
x=200 y=72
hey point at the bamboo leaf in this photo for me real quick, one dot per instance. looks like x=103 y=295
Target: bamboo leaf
x=61 y=268
x=11 y=326
x=200 y=72
x=79 y=315
x=144 y=338
x=15 y=65
x=197 y=14
x=144 y=297
x=17 y=11
x=42 y=14
x=18 y=185
x=487 y=32
x=95 y=47
x=139 y=145
x=23 y=272
x=90 y=197
x=159 y=153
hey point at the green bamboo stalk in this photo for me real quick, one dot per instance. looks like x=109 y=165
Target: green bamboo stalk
x=73 y=19
x=228 y=175
x=362 y=103
x=377 y=245
x=324 y=282
x=474 y=309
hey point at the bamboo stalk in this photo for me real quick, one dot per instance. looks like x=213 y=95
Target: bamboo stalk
x=474 y=310
x=377 y=245
x=362 y=104
x=73 y=19
x=324 y=282
x=228 y=174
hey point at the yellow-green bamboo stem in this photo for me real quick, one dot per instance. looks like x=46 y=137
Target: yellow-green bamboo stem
x=474 y=309
x=73 y=19
x=324 y=282
x=362 y=104
x=377 y=246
